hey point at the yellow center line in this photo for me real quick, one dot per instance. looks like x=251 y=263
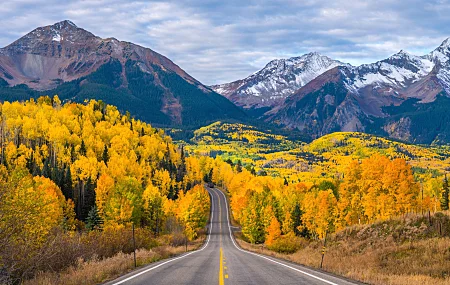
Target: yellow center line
x=222 y=259
x=221 y=281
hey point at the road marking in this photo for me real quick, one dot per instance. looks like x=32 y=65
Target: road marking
x=226 y=276
x=221 y=281
x=262 y=256
x=180 y=257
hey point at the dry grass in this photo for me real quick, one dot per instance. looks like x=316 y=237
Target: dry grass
x=402 y=251
x=97 y=271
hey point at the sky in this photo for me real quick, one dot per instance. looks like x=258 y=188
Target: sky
x=226 y=40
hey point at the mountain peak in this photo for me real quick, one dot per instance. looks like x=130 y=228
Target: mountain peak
x=65 y=23
x=314 y=54
x=401 y=54
x=445 y=44
x=43 y=37
x=279 y=79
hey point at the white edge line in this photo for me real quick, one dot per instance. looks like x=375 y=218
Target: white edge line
x=206 y=244
x=262 y=256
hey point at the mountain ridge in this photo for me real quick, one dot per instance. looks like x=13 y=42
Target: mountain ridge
x=357 y=98
x=279 y=79
x=69 y=61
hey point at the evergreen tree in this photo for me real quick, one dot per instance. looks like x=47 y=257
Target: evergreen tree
x=83 y=150
x=105 y=155
x=93 y=220
x=66 y=186
x=299 y=227
x=46 y=171
x=73 y=155
x=181 y=171
x=445 y=195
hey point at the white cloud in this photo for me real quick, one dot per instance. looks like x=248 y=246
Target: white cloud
x=218 y=41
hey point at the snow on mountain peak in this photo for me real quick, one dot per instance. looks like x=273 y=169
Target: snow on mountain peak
x=277 y=80
x=445 y=44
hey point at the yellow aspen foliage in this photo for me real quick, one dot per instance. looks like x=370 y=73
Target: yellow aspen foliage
x=124 y=204
x=70 y=222
x=105 y=186
x=31 y=206
x=192 y=211
x=273 y=232
x=153 y=209
x=162 y=180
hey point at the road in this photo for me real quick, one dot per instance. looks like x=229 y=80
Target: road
x=221 y=261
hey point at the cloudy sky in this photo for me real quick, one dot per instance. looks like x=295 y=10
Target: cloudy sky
x=225 y=40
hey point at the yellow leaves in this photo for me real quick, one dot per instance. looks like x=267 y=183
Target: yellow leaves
x=162 y=180
x=123 y=205
x=105 y=185
x=320 y=212
x=273 y=231
x=85 y=167
x=31 y=206
x=17 y=156
x=192 y=210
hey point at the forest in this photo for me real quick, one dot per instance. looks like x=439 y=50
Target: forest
x=74 y=178
x=282 y=190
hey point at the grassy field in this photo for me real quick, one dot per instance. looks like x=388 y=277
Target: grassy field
x=95 y=271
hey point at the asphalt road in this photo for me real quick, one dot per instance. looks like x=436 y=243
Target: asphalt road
x=221 y=261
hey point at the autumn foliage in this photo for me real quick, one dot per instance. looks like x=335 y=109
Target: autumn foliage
x=67 y=169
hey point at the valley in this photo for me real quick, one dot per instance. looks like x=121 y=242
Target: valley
x=118 y=167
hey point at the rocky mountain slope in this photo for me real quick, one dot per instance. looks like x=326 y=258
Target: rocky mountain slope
x=279 y=79
x=69 y=61
x=404 y=97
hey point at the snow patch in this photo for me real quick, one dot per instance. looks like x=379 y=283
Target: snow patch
x=57 y=38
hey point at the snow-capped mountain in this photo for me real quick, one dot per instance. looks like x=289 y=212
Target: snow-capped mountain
x=404 y=97
x=279 y=79
x=400 y=70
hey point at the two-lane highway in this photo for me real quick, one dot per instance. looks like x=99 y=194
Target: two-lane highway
x=221 y=261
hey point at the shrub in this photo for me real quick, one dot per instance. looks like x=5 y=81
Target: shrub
x=287 y=244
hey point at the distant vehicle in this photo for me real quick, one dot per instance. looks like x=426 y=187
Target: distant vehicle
x=210 y=185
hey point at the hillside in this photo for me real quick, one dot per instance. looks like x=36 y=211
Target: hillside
x=327 y=156
x=75 y=177
x=76 y=65
x=409 y=250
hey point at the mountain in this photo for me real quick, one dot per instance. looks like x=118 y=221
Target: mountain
x=69 y=61
x=279 y=79
x=403 y=97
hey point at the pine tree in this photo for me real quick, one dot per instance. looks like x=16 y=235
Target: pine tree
x=299 y=227
x=181 y=171
x=105 y=155
x=445 y=195
x=73 y=155
x=83 y=150
x=66 y=186
x=93 y=220
x=46 y=171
